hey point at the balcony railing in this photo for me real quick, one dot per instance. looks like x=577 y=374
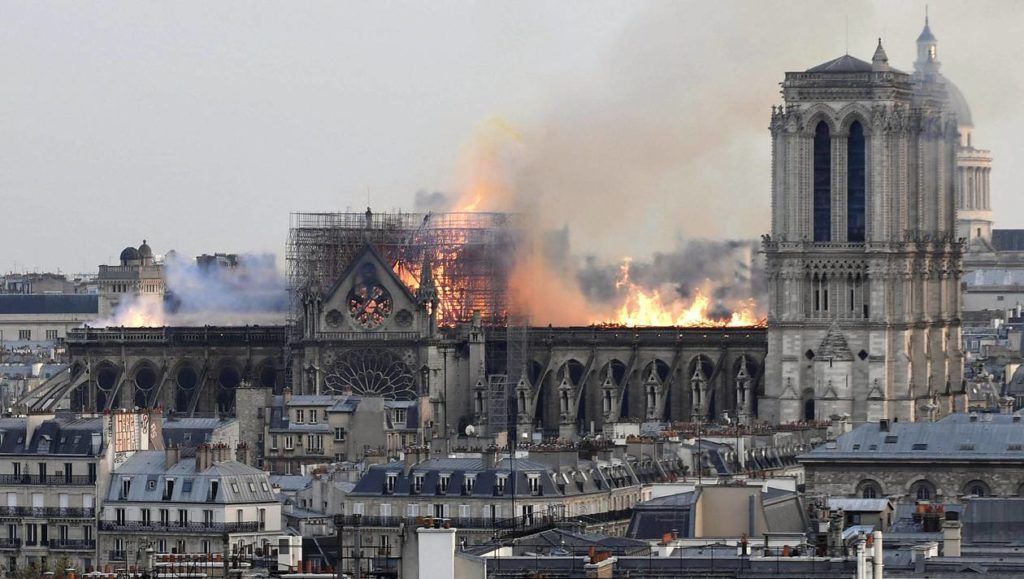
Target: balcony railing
x=53 y=479
x=314 y=450
x=48 y=512
x=9 y=543
x=171 y=527
x=72 y=544
x=529 y=521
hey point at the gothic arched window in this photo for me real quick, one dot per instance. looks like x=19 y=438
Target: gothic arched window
x=855 y=184
x=822 y=183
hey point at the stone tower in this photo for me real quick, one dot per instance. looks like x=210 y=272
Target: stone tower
x=863 y=258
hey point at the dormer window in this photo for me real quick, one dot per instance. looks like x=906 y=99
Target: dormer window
x=499 y=484
x=126 y=487
x=444 y=483
x=470 y=483
x=300 y=416
x=312 y=416
x=399 y=416
x=168 y=489
x=417 y=482
x=389 y=482
x=534 y=480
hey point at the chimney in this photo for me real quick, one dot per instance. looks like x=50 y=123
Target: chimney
x=877 y=561
x=601 y=566
x=172 y=454
x=242 y=454
x=203 y=457
x=438 y=547
x=491 y=458
x=287 y=396
x=951 y=533
x=412 y=458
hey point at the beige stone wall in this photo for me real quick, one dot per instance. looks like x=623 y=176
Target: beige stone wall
x=897 y=479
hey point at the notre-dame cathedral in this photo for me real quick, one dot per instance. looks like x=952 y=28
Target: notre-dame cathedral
x=864 y=257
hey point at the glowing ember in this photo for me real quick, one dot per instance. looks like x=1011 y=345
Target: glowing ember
x=650 y=308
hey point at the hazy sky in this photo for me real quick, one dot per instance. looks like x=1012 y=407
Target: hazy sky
x=200 y=125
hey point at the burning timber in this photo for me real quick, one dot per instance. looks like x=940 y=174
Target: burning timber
x=468 y=256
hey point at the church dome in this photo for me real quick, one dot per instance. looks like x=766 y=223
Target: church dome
x=129 y=254
x=959 y=104
x=144 y=250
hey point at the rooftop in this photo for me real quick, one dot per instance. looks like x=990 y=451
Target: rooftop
x=959 y=437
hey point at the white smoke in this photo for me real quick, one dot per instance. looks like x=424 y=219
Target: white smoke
x=251 y=291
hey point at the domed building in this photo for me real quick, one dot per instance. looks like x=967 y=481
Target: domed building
x=973 y=165
x=139 y=273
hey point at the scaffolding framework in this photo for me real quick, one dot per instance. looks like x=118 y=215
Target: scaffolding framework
x=470 y=255
x=497 y=411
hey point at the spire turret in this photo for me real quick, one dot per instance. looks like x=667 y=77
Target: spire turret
x=880 y=61
x=927 y=50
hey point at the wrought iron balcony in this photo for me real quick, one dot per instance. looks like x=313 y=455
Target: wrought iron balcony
x=10 y=543
x=53 y=479
x=72 y=544
x=173 y=527
x=48 y=512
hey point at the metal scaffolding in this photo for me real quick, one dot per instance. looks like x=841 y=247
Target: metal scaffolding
x=470 y=256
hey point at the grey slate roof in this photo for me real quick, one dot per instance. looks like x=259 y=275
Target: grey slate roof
x=291 y=482
x=61 y=436
x=1008 y=239
x=956 y=438
x=859 y=505
x=845 y=63
x=49 y=304
x=587 y=478
x=191 y=431
x=237 y=483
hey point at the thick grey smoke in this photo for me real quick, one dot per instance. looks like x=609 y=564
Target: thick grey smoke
x=431 y=201
x=249 y=291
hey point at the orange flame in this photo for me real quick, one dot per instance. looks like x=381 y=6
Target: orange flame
x=643 y=307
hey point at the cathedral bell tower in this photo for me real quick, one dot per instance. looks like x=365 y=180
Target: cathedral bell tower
x=863 y=261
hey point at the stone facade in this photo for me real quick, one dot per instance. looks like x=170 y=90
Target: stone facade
x=960 y=455
x=950 y=480
x=863 y=259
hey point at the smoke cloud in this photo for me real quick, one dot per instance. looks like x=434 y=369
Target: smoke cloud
x=249 y=291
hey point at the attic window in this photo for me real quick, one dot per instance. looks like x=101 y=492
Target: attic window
x=186 y=487
x=809 y=354
x=234 y=487
x=856 y=447
x=265 y=487
x=862 y=355
x=967 y=446
x=252 y=487
x=470 y=482
x=151 y=485
x=873 y=447
x=1015 y=446
x=891 y=439
x=920 y=446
